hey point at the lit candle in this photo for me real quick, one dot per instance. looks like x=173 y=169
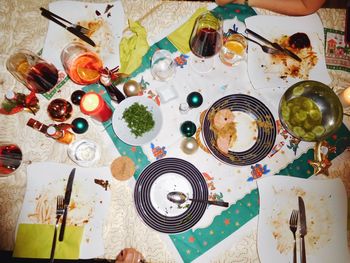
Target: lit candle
x=92 y=104
x=344 y=97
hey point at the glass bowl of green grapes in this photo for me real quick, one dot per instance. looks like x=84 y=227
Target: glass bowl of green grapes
x=310 y=111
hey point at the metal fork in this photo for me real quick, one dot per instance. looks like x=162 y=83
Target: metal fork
x=80 y=28
x=266 y=49
x=59 y=213
x=293 y=226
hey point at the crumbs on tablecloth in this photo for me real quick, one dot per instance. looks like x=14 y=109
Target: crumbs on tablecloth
x=108 y=7
x=103 y=183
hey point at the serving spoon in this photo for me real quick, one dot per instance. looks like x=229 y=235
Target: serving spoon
x=180 y=198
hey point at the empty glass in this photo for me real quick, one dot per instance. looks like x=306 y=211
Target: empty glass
x=163 y=66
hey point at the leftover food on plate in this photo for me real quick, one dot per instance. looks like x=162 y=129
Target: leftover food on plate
x=224 y=128
x=298 y=43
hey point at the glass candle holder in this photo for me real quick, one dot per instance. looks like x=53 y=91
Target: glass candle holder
x=93 y=105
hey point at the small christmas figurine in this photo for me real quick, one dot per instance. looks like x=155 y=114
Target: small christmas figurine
x=15 y=102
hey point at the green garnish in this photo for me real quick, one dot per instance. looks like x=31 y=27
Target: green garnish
x=138 y=118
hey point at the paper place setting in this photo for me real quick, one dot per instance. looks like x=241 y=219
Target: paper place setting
x=87 y=209
x=326 y=219
x=105 y=22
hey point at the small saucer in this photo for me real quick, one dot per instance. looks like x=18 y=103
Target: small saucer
x=84 y=153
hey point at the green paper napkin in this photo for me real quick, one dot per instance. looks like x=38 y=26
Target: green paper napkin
x=180 y=37
x=35 y=240
x=132 y=49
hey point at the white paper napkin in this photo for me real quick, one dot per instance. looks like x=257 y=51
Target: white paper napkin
x=262 y=72
x=90 y=200
x=106 y=38
x=326 y=217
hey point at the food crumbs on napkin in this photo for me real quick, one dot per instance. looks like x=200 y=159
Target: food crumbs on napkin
x=132 y=49
x=180 y=38
x=35 y=240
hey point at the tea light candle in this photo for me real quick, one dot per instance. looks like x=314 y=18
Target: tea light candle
x=92 y=104
x=344 y=97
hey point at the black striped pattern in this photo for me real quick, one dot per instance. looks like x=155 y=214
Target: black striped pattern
x=266 y=129
x=144 y=205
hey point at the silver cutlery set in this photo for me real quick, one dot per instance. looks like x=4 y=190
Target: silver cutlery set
x=62 y=210
x=298 y=218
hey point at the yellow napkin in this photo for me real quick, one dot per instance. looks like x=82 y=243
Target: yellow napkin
x=35 y=240
x=132 y=49
x=181 y=36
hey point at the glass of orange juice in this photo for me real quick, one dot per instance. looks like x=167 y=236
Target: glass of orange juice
x=233 y=50
x=82 y=65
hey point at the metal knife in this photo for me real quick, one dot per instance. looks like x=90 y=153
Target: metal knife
x=69 y=28
x=275 y=45
x=303 y=229
x=66 y=203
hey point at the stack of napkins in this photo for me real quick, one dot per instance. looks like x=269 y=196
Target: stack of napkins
x=87 y=212
x=326 y=218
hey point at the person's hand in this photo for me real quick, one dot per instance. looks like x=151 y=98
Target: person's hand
x=129 y=255
x=224 y=2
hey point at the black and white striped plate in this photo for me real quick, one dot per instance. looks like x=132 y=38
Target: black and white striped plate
x=156 y=181
x=259 y=139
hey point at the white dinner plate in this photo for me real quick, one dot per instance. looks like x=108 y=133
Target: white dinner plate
x=262 y=72
x=121 y=128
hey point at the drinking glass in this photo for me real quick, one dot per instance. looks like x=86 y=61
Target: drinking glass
x=82 y=65
x=163 y=66
x=32 y=71
x=206 y=41
x=233 y=50
x=10 y=158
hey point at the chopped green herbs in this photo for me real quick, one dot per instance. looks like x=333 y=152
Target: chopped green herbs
x=138 y=118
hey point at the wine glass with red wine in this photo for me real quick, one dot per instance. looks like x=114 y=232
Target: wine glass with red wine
x=32 y=71
x=206 y=41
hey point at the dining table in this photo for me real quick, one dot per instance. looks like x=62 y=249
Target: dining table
x=22 y=26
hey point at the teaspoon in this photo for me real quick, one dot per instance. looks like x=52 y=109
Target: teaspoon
x=180 y=198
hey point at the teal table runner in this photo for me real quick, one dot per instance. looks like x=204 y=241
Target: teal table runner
x=194 y=243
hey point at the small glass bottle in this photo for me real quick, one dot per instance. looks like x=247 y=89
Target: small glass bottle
x=37 y=125
x=60 y=135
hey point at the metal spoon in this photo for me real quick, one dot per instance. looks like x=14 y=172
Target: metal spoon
x=180 y=198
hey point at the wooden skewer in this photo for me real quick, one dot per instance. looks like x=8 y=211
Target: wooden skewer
x=146 y=15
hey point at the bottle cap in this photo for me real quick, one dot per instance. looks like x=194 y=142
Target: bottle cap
x=51 y=130
x=10 y=95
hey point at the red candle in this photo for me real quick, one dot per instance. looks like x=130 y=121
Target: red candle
x=92 y=104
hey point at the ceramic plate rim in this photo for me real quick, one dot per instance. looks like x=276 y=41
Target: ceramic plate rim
x=238 y=162
x=181 y=222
